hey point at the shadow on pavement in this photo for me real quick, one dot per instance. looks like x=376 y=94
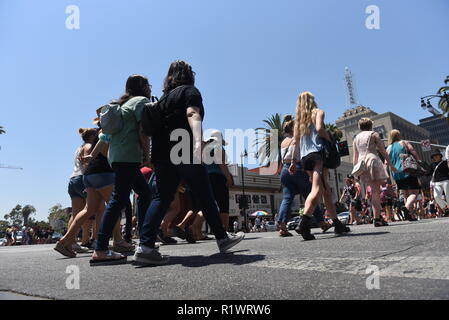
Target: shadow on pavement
x=218 y=258
x=347 y=235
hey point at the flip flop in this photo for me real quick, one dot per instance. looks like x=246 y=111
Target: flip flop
x=112 y=258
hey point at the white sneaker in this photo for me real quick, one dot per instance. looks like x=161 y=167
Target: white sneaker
x=148 y=256
x=79 y=249
x=227 y=243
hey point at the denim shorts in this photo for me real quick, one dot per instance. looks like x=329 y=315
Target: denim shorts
x=76 y=188
x=99 y=180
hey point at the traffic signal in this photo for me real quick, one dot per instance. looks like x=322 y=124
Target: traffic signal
x=343 y=148
x=243 y=202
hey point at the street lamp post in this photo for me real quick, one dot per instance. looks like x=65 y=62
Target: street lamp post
x=243 y=199
x=428 y=106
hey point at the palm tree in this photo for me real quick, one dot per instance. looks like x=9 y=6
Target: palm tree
x=336 y=133
x=27 y=211
x=274 y=122
x=443 y=104
x=2 y=130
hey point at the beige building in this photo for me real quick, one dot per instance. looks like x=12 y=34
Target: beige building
x=383 y=124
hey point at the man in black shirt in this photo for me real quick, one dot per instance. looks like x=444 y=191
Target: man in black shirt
x=177 y=160
x=440 y=180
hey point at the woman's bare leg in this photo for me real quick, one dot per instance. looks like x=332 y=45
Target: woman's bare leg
x=315 y=194
x=375 y=201
x=93 y=201
x=327 y=196
x=171 y=214
x=78 y=204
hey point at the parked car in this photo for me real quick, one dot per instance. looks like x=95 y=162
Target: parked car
x=271 y=226
x=344 y=217
x=2 y=242
x=292 y=224
x=56 y=237
x=19 y=237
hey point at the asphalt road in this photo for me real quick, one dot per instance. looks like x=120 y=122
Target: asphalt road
x=412 y=259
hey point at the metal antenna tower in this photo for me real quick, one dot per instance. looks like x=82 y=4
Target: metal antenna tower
x=5 y=166
x=350 y=89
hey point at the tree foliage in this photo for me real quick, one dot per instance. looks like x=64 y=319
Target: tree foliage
x=264 y=155
x=14 y=218
x=58 y=213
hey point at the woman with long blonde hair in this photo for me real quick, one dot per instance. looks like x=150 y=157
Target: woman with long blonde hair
x=309 y=134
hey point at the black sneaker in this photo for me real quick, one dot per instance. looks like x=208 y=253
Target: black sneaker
x=380 y=223
x=304 y=228
x=181 y=234
x=165 y=240
x=340 y=228
x=407 y=214
x=190 y=238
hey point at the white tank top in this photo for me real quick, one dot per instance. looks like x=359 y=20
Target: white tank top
x=287 y=154
x=78 y=169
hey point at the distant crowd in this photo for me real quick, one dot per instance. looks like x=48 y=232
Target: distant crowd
x=28 y=235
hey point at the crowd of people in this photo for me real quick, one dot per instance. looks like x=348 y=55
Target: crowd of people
x=384 y=201
x=174 y=198
x=28 y=235
x=108 y=166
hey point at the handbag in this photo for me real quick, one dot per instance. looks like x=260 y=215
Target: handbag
x=361 y=167
x=409 y=164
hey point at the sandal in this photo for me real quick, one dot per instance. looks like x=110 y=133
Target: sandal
x=123 y=247
x=326 y=226
x=285 y=234
x=112 y=258
x=64 y=250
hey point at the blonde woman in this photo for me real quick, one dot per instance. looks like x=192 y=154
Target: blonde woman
x=405 y=182
x=365 y=146
x=309 y=134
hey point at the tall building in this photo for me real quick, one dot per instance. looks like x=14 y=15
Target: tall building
x=383 y=124
x=438 y=128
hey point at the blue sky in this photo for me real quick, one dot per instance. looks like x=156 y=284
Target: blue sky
x=252 y=58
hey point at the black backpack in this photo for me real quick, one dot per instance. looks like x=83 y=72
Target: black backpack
x=154 y=115
x=331 y=155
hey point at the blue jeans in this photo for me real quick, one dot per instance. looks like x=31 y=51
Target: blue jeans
x=127 y=177
x=168 y=177
x=299 y=183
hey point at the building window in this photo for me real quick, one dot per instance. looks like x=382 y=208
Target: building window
x=256 y=198
x=381 y=131
x=263 y=199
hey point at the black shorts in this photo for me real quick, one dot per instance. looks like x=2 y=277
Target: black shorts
x=357 y=204
x=309 y=161
x=409 y=183
x=387 y=203
x=220 y=191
